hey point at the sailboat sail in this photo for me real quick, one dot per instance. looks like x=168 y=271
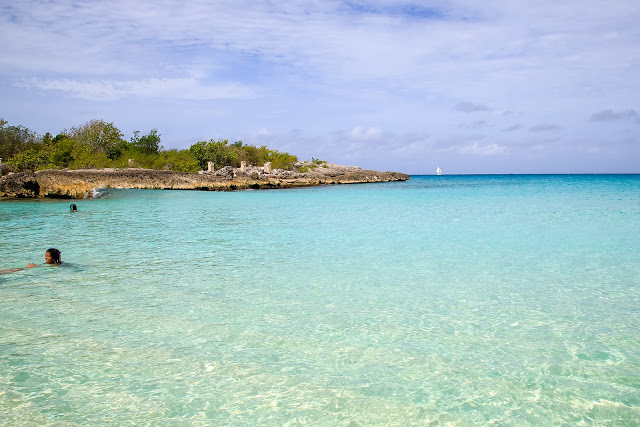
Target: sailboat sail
x=438 y=171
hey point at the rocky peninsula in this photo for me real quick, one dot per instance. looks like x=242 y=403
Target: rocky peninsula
x=82 y=183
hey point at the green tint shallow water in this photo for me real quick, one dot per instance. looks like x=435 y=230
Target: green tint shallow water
x=467 y=300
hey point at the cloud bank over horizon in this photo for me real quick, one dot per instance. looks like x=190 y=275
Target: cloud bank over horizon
x=491 y=87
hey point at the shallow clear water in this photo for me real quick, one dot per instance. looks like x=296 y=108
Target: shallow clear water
x=466 y=300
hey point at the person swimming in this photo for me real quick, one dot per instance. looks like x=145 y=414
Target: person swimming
x=51 y=257
x=73 y=208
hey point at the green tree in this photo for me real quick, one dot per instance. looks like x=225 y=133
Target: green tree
x=213 y=151
x=84 y=157
x=260 y=155
x=99 y=144
x=100 y=137
x=29 y=159
x=47 y=140
x=281 y=160
x=61 y=150
x=15 y=139
x=200 y=153
x=147 y=144
x=254 y=155
x=176 y=160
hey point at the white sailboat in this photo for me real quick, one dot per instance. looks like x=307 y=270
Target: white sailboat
x=438 y=171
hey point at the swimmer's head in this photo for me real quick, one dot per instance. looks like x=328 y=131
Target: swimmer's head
x=52 y=256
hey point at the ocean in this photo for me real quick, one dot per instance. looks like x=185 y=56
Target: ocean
x=442 y=300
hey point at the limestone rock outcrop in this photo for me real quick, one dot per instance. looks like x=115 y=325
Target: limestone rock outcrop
x=82 y=183
x=23 y=184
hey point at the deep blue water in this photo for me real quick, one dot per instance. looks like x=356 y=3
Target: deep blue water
x=508 y=299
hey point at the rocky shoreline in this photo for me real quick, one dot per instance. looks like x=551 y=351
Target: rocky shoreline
x=82 y=183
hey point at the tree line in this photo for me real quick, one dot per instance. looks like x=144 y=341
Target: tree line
x=99 y=144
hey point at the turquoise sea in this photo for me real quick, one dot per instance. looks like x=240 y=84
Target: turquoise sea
x=451 y=300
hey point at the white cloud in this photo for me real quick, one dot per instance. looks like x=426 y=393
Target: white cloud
x=469 y=107
x=512 y=128
x=360 y=133
x=545 y=128
x=186 y=88
x=483 y=150
x=612 y=116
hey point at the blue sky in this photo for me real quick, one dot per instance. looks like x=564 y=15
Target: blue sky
x=473 y=87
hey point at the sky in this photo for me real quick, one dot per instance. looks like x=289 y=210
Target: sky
x=494 y=86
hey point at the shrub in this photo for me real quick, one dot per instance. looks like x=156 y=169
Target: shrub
x=28 y=160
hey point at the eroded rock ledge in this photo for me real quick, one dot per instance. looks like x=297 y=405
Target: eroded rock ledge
x=82 y=183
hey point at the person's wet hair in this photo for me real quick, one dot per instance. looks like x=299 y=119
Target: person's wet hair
x=55 y=254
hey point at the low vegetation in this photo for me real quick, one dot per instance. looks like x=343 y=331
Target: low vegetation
x=98 y=144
